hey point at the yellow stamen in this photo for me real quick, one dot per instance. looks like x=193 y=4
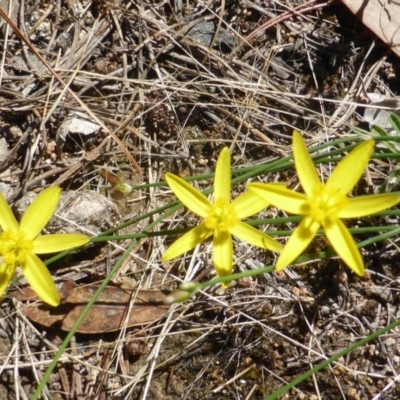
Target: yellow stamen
x=14 y=247
x=325 y=204
x=221 y=216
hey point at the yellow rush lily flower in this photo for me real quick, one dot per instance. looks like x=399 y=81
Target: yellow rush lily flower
x=221 y=218
x=19 y=244
x=325 y=204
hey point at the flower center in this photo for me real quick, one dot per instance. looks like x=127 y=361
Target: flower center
x=221 y=216
x=325 y=204
x=14 y=248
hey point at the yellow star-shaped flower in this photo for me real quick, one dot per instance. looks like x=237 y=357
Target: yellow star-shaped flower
x=222 y=219
x=19 y=244
x=325 y=204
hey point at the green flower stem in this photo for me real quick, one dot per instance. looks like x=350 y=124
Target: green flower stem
x=329 y=253
x=235 y=277
x=106 y=236
x=331 y=360
x=390 y=232
x=287 y=162
x=278 y=165
x=78 y=322
x=301 y=259
x=176 y=232
x=378 y=238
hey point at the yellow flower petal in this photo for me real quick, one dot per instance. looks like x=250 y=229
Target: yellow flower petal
x=187 y=242
x=58 y=242
x=255 y=237
x=222 y=180
x=280 y=196
x=38 y=214
x=343 y=243
x=304 y=165
x=41 y=281
x=249 y=203
x=188 y=195
x=297 y=243
x=366 y=205
x=7 y=219
x=6 y=274
x=349 y=171
x=223 y=254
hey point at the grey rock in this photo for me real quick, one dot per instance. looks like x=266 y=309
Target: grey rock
x=204 y=32
x=6 y=190
x=89 y=213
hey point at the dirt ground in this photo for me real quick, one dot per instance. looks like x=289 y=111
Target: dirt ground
x=142 y=88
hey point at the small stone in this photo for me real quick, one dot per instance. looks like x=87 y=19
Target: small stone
x=204 y=31
x=89 y=213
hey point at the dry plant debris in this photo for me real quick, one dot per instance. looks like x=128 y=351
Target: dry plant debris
x=167 y=100
x=111 y=312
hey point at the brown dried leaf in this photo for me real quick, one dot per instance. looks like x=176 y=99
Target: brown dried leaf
x=382 y=17
x=108 y=314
